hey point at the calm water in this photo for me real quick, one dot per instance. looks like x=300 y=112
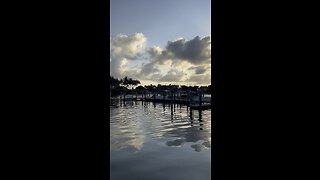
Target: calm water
x=150 y=141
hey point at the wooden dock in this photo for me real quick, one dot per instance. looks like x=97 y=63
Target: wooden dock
x=192 y=100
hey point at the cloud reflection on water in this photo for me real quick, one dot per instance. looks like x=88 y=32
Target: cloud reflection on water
x=136 y=123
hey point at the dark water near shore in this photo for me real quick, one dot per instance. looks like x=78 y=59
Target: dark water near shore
x=150 y=141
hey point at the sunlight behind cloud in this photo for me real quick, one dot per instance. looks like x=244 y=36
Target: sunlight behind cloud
x=180 y=62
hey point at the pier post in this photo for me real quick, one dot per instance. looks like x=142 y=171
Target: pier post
x=136 y=94
x=200 y=98
x=174 y=102
x=163 y=96
x=180 y=98
x=179 y=93
x=190 y=98
x=142 y=95
x=191 y=115
x=171 y=113
x=162 y=93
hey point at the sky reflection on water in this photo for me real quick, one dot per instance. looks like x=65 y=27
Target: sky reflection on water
x=156 y=141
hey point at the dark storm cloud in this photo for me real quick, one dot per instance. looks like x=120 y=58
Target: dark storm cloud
x=159 y=55
x=196 y=51
x=199 y=69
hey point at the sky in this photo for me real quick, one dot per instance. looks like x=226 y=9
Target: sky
x=161 y=41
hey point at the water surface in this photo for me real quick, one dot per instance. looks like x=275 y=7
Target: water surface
x=155 y=141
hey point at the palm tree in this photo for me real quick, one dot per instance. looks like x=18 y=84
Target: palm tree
x=129 y=82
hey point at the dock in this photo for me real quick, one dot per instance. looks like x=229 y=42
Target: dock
x=194 y=100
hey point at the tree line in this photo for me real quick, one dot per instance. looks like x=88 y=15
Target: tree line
x=122 y=85
x=117 y=86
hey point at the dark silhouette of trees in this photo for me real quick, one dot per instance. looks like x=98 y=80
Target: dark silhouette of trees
x=118 y=86
x=114 y=82
x=209 y=89
x=129 y=82
x=126 y=85
x=140 y=89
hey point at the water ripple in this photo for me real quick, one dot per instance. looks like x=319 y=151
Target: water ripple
x=134 y=124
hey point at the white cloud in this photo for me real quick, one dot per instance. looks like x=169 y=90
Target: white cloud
x=125 y=48
x=181 y=61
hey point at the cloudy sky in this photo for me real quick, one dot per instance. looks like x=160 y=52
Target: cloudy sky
x=161 y=41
